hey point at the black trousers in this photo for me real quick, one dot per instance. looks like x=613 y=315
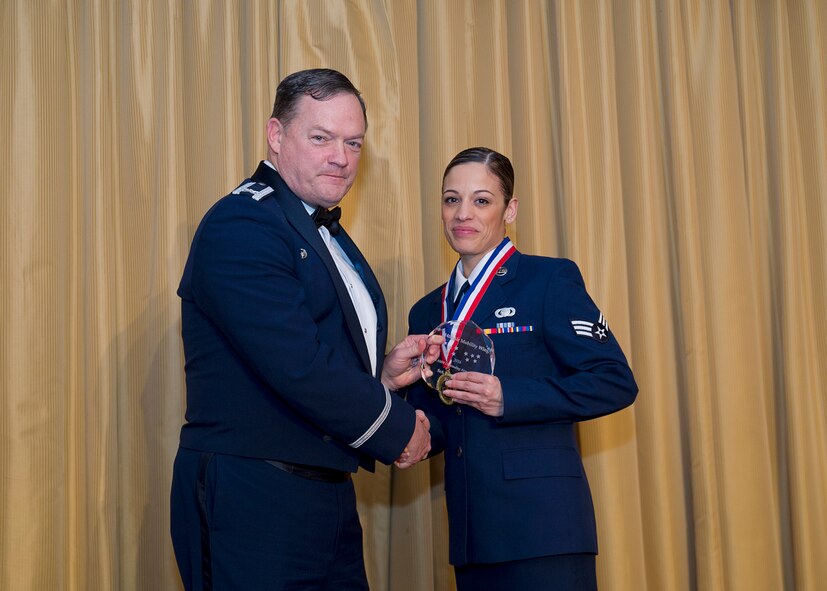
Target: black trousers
x=567 y=572
x=241 y=523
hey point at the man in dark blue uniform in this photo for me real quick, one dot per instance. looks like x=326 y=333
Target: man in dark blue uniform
x=288 y=388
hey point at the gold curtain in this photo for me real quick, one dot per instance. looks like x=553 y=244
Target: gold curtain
x=676 y=150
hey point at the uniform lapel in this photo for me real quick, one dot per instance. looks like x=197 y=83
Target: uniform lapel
x=297 y=216
x=496 y=294
x=435 y=310
x=374 y=289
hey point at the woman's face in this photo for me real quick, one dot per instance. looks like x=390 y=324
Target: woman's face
x=474 y=213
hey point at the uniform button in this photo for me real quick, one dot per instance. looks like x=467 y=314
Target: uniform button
x=327 y=438
x=459 y=451
x=459 y=411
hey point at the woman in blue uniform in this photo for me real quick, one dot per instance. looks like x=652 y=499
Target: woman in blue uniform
x=519 y=507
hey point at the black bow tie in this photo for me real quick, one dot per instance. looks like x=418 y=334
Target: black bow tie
x=329 y=218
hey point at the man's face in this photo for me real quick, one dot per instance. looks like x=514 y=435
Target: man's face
x=317 y=152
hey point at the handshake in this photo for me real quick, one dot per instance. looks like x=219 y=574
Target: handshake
x=419 y=445
x=400 y=369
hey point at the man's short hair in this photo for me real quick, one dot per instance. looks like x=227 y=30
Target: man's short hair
x=319 y=83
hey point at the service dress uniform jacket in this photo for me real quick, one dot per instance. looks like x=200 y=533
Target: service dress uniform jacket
x=282 y=400
x=276 y=363
x=515 y=485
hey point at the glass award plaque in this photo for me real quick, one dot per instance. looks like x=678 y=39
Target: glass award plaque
x=466 y=348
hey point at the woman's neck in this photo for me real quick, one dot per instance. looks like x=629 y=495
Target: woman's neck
x=469 y=263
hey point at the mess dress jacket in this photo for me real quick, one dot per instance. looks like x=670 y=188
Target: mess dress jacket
x=276 y=363
x=515 y=485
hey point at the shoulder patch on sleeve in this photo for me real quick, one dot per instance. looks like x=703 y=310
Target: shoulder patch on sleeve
x=257 y=191
x=598 y=331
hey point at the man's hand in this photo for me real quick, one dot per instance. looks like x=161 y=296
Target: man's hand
x=401 y=365
x=419 y=445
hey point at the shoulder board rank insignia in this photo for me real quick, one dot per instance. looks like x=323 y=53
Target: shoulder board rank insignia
x=598 y=331
x=257 y=191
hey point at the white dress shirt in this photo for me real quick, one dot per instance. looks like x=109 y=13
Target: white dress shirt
x=359 y=294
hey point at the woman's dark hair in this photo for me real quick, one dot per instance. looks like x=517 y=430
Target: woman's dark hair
x=319 y=83
x=496 y=163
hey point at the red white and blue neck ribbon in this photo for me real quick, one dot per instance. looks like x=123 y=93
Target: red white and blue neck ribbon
x=476 y=290
x=468 y=303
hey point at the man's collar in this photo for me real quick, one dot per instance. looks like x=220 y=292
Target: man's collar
x=307 y=207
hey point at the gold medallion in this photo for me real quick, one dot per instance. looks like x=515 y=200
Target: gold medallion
x=440 y=386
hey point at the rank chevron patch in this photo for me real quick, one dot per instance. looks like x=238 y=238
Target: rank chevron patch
x=598 y=331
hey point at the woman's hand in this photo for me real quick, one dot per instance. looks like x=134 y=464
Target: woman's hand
x=482 y=391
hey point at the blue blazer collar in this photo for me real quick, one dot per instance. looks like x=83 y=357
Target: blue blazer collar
x=297 y=217
x=495 y=296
